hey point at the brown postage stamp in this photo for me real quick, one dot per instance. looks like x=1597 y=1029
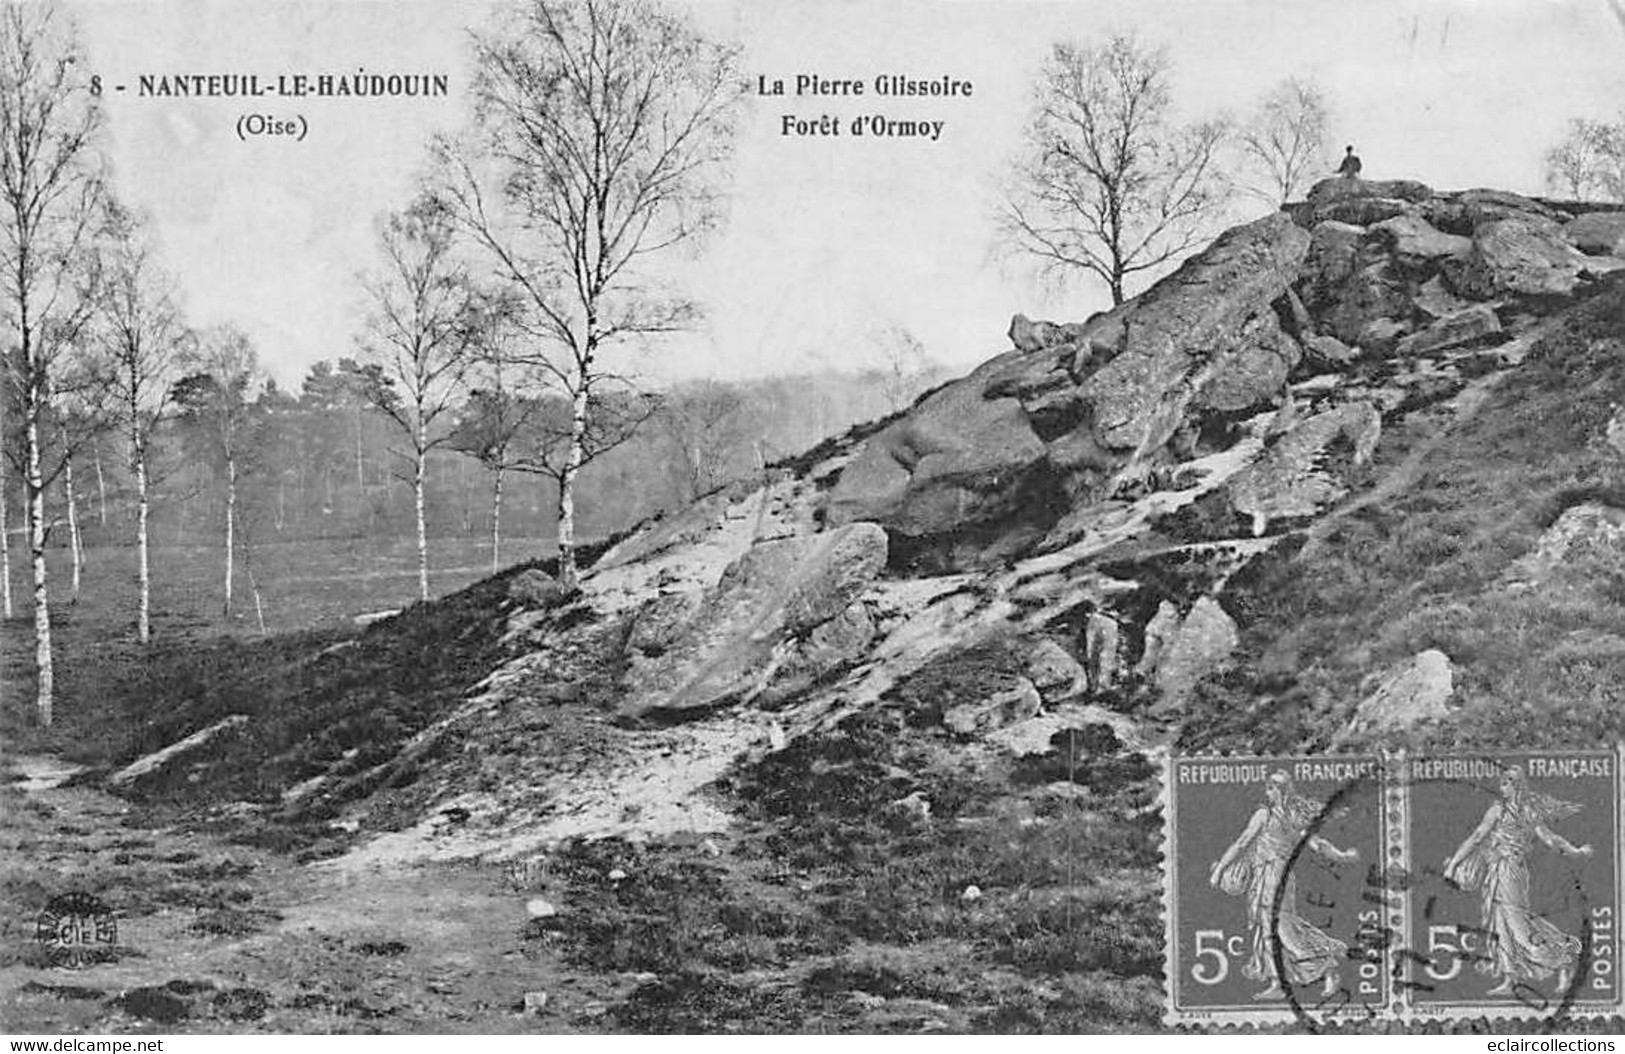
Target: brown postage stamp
x=1330 y=890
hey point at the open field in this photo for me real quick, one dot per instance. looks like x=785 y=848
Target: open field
x=312 y=586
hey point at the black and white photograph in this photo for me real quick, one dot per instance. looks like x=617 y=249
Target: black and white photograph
x=788 y=517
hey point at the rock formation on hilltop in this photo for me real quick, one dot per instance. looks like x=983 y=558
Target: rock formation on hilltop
x=1063 y=539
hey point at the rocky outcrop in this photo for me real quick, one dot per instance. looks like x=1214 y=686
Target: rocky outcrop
x=1597 y=233
x=158 y=759
x=997 y=457
x=1387 y=258
x=730 y=647
x=1590 y=528
x=1407 y=695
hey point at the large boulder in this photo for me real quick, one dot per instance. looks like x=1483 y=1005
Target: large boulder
x=1361 y=201
x=1206 y=312
x=1332 y=259
x=1434 y=300
x=1468 y=326
x=1417 y=244
x=1519 y=256
x=1466 y=211
x=956 y=458
x=1291 y=478
x=1205 y=639
x=1375 y=293
x=777 y=592
x=1406 y=695
x=1597 y=233
x=1337 y=188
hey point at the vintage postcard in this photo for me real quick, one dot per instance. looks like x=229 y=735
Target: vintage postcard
x=611 y=517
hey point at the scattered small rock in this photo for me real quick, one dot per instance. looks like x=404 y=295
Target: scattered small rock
x=971 y=894
x=916 y=806
x=1100 y=638
x=1412 y=692
x=241 y=1004
x=617 y=875
x=535 y=1002
x=1053 y=670
x=153 y=1004
x=540 y=908
x=999 y=710
x=61 y=991
x=711 y=848
x=180 y=986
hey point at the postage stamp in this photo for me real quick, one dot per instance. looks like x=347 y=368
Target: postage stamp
x=1269 y=864
x=1514 y=899
x=1329 y=890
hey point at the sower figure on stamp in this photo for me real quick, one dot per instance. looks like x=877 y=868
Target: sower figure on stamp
x=1493 y=861
x=1255 y=867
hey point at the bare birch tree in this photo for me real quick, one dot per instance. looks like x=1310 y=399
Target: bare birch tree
x=1589 y=161
x=419 y=338
x=49 y=189
x=214 y=394
x=1107 y=182
x=140 y=337
x=1286 y=137
x=703 y=421
x=600 y=128
x=495 y=415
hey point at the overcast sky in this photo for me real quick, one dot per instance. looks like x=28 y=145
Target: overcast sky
x=830 y=241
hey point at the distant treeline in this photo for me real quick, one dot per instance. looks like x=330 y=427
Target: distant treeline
x=325 y=463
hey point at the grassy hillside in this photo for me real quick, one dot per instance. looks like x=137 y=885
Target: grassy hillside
x=1420 y=568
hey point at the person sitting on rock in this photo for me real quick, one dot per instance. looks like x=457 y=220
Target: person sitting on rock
x=1350 y=168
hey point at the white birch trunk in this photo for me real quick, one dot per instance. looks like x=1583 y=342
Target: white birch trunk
x=567 y=488
x=496 y=521
x=101 y=488
x=418 y=468
x=231 y=526
x=5 y=550
x=44 y=672
x=76 y=546
x=253 y=582
x=143 y=616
